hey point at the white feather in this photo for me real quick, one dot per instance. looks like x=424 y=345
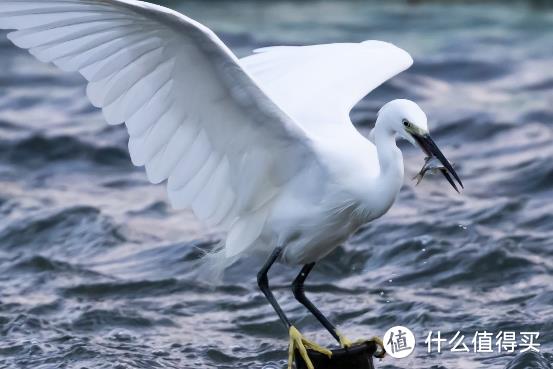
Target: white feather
x=245 y=231
x=319 y=84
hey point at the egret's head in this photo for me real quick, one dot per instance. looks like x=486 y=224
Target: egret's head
x=404 y=117
x=408 y=121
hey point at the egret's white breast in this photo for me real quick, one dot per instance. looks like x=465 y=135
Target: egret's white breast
x=327 y=202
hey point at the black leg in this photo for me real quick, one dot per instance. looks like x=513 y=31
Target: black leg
x=299 y=294
x=263 y=282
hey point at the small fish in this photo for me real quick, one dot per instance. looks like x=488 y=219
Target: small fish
x=432 y=165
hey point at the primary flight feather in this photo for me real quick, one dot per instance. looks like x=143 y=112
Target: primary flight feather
x=194 y=116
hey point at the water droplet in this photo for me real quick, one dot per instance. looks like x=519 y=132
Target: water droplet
x=423 y=250
x=381 y=293
x=121 y=335
x=389 y=281
x=462 y=226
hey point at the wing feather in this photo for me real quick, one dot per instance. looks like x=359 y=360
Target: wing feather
x=194 y=116
x=102 y=49
x=67 y=31
x=152 y=110
x=318 y=85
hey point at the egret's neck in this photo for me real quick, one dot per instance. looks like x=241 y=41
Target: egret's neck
x=390 y=159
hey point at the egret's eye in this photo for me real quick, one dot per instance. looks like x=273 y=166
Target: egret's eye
x=406 y=123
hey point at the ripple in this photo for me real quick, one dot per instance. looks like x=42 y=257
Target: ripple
x=61 y=148
x=59 y=229
x=459 y=70
x=529 y=360
x=129 y=289
x=108 y=319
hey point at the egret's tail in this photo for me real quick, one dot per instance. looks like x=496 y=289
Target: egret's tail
x=213 y=266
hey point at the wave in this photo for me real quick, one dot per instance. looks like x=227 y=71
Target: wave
x=38 y=150
x=70 y=230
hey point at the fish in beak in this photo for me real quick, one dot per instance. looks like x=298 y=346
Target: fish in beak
x=432 y=151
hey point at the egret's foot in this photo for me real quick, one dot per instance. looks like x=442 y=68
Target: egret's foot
x=300 y=343
x=380 y=352
x=344 y=341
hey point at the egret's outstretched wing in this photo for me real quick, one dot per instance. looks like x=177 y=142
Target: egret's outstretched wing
x=320 y=84
x=193 y=115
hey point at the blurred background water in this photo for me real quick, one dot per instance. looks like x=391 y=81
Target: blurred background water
x=98 y=272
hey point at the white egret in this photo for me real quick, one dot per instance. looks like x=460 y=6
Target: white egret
x=262 y=148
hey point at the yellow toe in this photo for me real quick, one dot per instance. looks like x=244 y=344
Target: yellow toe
x=344 y=341
x=301 y=344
